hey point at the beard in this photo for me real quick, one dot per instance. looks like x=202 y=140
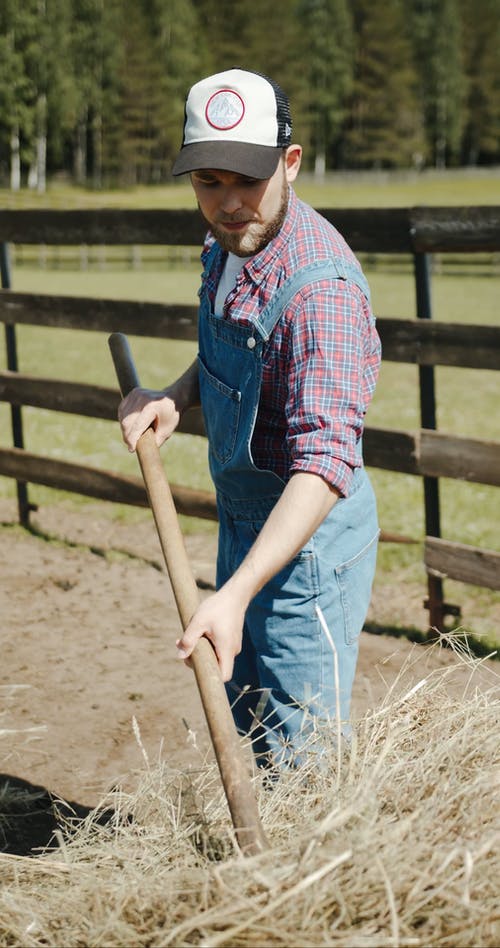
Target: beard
x=256 y=236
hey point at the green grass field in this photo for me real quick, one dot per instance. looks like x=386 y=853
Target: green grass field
x=467 y=399
x=340 y=189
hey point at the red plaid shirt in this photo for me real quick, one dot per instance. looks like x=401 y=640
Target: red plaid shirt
x=321 y=363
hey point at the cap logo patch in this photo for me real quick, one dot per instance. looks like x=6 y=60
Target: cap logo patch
x=225 y=109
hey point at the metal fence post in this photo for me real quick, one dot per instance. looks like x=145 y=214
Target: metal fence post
x=435 y=602
x=23 y=503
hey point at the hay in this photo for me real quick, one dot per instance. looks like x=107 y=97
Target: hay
x=401 y=848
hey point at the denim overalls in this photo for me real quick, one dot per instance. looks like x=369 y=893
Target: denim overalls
x=284 y=678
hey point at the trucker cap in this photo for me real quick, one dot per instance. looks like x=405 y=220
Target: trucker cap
x=235 y=121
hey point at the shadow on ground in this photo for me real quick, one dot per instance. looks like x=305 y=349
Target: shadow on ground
x=31 y=817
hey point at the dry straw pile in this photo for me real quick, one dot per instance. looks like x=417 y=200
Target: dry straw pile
x=395 y=843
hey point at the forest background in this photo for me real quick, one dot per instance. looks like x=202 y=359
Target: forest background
x=92 y=94
x=93 y=90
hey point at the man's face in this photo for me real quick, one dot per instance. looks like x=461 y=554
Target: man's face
x=244 y=214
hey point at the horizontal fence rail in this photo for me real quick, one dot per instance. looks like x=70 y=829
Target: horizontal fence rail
x=413 y=233
x=160 y=320
x=430 y=453
x=93 y=482
x=379 y=230
x=469 y=564
x=403 y=340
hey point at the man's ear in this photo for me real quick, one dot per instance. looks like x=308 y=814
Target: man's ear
x=293 y=158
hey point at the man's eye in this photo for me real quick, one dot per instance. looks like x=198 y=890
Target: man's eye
x=206 y=182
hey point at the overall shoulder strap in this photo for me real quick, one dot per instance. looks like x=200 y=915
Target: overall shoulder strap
x=329 y=269
x=209 y=262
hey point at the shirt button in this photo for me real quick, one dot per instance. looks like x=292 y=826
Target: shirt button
x=251 y=343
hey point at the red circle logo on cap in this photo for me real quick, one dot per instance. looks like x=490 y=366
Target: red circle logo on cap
x=225 y=109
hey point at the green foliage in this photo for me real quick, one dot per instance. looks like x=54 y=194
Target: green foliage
x=96 y=88
x=436 y=28
x=91 y=51
x=480 y=45
x=385 y=123
x=17 y=93
x=325 y=47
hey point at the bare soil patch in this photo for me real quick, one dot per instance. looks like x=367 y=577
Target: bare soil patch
x=88 y=645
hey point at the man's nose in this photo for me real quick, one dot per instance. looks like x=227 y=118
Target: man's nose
x=231 y=200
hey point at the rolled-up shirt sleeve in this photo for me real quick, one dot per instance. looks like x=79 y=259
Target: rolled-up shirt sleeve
x=333 y=361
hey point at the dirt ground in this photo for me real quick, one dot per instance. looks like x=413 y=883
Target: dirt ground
x=88 y=630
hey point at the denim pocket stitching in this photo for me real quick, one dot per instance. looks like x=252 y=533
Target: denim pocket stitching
x=341 y=571
x=347 y=564
x=231 y=399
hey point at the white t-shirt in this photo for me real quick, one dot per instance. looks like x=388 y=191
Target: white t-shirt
x=228 y=279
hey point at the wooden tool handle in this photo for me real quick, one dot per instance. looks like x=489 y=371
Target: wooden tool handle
x=227 y=746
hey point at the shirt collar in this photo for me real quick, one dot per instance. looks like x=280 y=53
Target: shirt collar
x=258 y=266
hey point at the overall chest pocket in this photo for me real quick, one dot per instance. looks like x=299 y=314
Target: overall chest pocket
x=221 y=412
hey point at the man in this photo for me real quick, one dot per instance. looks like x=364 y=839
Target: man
x=288 y=359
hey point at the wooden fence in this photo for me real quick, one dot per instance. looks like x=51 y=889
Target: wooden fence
x=420 y=232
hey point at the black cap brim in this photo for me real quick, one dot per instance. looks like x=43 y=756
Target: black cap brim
x=253 y=161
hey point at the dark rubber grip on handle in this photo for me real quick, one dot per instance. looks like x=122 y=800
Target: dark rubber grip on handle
x=123 y=362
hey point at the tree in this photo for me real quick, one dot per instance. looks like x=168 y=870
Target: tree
x=223 y=26
x=436 y=30
x=17 y=95
x=97 y=87
x=42 y=31
x=481 y=66
x=326 y=55
x=184 y=56
x=12 y=105
x=269 y=43
x=385 y=122
x=157 y=59
x=93 y=42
